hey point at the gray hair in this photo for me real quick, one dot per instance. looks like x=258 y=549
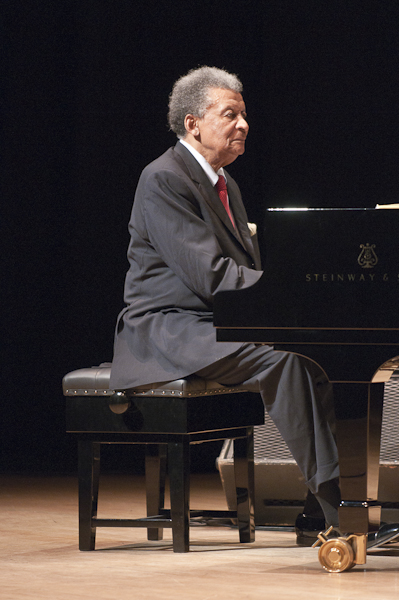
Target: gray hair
x=190 y=94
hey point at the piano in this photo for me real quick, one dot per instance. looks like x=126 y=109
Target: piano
x=330 y=292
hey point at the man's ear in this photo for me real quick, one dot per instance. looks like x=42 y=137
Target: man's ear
x=191 y=124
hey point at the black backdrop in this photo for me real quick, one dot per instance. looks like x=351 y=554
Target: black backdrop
x=84 y=100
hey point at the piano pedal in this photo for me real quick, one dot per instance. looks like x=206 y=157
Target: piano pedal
x=338 y=554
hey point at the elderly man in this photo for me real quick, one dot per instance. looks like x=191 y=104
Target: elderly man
x=189 y=240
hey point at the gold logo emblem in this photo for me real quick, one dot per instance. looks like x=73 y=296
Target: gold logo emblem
x=367 y=257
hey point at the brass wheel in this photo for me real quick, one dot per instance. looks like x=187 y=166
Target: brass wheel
x=336 y=555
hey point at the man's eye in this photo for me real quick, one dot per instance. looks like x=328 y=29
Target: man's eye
x=230 y=115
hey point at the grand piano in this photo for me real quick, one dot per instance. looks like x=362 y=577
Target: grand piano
x=330 y=292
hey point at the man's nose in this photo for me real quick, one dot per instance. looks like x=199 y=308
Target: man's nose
x=242 y=124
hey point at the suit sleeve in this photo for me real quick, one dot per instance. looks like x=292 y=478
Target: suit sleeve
x=176 y=229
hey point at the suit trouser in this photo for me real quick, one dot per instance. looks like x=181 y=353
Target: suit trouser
x=298 y=398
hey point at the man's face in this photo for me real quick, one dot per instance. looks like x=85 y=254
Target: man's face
x=223 y=128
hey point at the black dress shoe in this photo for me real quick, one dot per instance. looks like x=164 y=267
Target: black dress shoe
x=389 y=532
x=307 y=528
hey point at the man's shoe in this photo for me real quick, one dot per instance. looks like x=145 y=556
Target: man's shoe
x=389 y=532
x=307 y=528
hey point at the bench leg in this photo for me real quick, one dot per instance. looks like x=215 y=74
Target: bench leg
x=179 y=481
x=88 y=474
x=155 y=474
x=244 y=478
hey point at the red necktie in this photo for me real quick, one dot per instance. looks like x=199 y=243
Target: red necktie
x=222 y=191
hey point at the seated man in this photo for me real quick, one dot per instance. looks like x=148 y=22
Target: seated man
x=189 y=240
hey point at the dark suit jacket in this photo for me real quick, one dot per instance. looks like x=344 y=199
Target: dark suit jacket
x=183 y=250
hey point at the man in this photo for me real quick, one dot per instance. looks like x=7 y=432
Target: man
x=188 y=243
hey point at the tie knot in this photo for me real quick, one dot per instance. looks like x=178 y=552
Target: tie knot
x=221 y=184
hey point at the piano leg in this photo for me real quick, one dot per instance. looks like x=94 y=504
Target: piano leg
x=358 y=408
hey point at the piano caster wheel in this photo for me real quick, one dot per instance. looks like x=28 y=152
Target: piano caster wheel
x=341 y=553
x=336 y=555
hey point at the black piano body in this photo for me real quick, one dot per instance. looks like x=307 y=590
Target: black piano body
x=330 y=292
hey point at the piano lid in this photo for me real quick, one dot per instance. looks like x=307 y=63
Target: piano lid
x=323 y=269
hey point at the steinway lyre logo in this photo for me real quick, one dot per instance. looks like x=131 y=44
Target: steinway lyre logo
x=367 y=257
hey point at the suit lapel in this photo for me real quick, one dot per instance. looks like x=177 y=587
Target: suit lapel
x=210 y=195
x=241 y=220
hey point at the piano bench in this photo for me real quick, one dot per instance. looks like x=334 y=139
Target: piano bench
x=167 y=418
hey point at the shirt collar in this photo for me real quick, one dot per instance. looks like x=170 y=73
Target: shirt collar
x=212 y=175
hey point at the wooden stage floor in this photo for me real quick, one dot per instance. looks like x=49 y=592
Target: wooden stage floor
x=39 y=556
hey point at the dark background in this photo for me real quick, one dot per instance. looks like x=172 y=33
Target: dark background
x=84 y=93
